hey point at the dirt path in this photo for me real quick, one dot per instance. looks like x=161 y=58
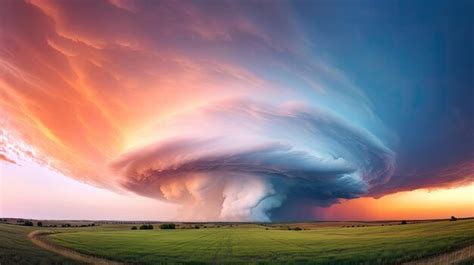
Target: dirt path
x=447 y=258
x=39 y=238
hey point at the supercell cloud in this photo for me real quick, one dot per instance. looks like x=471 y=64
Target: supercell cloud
x=231 y=110
x=243 y=159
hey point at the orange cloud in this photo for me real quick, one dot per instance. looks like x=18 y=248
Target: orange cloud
x=78 y=86
x=5 y=158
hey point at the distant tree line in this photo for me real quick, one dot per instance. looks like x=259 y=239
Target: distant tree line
x=149 y=226
x=168 y=226
x=40 y=224
x=295 y=229
x=146 y=227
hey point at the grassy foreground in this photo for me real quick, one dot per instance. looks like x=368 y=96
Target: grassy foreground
x=16 y=248
x=325 y=245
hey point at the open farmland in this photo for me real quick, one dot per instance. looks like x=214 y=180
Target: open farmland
x=259 y=244
x=16 y=248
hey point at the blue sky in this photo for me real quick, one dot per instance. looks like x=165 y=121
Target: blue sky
x=414 y=60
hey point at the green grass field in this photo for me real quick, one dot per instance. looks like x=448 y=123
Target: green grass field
x=255 y=244
x=15 y=248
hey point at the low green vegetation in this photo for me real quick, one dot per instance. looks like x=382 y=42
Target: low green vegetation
x=167 y=226
x=265 y=244
x=315 y=243
x=16 y=248
x=146 y=227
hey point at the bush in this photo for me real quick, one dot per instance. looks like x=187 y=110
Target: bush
x=167 y=226
x=297 y=229
x=134 y=228
x=28 y=223
x=39 y=224
x=403 y=223
x=146 y=227
x=453 y=218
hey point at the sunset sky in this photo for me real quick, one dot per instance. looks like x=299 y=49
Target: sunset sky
x=236 y=110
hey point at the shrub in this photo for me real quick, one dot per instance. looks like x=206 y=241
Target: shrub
x=403 y=222
x=146 y=227
x=28 y=223
x=134 y=228
x=167 y=226
x=297 y=229
x=453 y=218
x=39 y=224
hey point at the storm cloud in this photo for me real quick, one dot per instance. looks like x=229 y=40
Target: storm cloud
x=234 y=110
x=257 y=157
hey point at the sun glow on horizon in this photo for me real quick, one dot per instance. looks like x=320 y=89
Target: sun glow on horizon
x=439 y=203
